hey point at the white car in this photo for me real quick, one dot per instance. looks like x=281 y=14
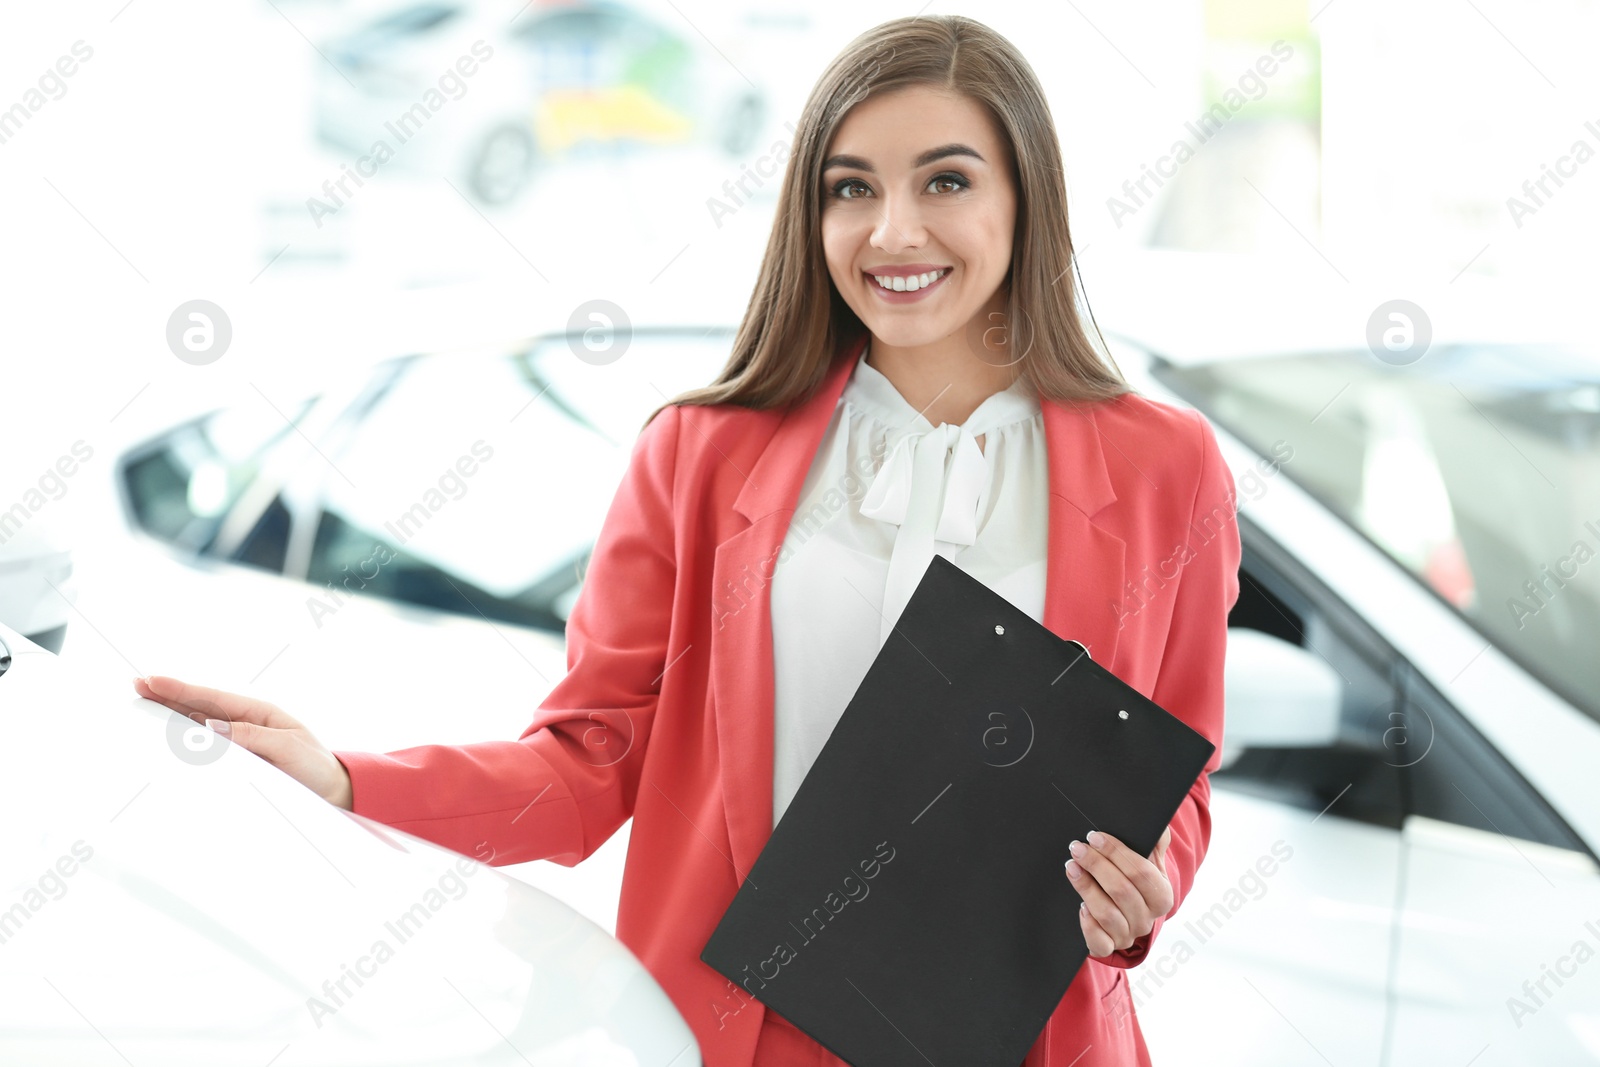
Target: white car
x=1403 y=861
x=394 y=565
x=37 y=589
x=170 y=898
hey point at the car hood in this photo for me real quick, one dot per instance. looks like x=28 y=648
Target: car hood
x=181 y=900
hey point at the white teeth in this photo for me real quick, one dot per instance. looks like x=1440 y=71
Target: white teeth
x=902 y=284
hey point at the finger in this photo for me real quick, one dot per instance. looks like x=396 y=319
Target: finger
x=194 y=706
x=1124 y=858
x=1094 y=935
x=1100 y=905
x=143 y=688
x=265 y=742
x=1160 y=851
x=1127 y=896
x=1145 y=879
x=193 y=700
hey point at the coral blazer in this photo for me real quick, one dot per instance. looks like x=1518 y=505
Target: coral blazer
x=665 y=713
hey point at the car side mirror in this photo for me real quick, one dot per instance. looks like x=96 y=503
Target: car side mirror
x=1278 y=695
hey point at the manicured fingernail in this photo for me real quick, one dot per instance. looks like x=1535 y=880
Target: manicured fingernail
x=220 y=726
x=1096 y=838
x=1072 y=870
x=1076 y=848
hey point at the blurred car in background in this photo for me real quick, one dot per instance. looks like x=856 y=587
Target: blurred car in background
x=463 y=483
x=391 y=556
x=36 y=585
x=552 y=81
x=163 y=862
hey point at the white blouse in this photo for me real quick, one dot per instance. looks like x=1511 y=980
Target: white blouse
x=885 y=491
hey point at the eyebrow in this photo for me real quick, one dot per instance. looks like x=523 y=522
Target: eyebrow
x=930 y=156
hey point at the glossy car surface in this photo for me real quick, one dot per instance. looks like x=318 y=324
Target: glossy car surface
x=171 y=898
x=1420 y=886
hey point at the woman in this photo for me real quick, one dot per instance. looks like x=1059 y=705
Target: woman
x=771 y=526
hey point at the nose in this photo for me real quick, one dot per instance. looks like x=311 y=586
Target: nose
x=899 y=224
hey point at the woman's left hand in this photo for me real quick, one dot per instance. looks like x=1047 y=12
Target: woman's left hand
x=1123 y=893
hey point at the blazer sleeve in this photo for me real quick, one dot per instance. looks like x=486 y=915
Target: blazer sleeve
x=566 y=785
x=1189 y=680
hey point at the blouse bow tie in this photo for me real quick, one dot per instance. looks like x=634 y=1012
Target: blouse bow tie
x=930 y=487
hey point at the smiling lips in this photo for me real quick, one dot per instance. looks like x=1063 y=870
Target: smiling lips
x=904 y=283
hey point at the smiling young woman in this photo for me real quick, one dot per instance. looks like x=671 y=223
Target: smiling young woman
x=927 y=144
x=911 y=378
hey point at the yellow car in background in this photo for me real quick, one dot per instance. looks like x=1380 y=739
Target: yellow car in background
x=455 y=89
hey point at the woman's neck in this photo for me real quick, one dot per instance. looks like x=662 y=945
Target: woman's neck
x=945 y=380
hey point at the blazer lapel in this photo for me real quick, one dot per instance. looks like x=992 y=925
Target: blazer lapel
x=1084 y=577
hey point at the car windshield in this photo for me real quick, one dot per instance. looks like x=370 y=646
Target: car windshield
x=1477 y=468
x=495 y=472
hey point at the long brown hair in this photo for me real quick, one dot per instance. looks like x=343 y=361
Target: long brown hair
x=797 y=322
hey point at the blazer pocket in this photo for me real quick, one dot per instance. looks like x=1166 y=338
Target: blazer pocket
x=1117 y=1003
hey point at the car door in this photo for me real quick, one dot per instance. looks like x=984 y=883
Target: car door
x=1500 y=920
x=1285 y=938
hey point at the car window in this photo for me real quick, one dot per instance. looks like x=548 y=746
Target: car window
x=1402 y=748
x=179 y=486
x=1454 y=774
x=1477 y=468
x=267 y=544
x=616 y=397
x=477 y=484
x=1355 y=778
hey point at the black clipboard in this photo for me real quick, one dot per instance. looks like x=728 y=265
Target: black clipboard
x=911 y=905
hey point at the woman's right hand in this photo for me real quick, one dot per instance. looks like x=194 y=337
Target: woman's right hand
x=265 y=729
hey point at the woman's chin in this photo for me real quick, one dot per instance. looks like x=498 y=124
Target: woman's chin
x=893 y=331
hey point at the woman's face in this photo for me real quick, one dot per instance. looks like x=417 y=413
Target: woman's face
x=918 y=181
